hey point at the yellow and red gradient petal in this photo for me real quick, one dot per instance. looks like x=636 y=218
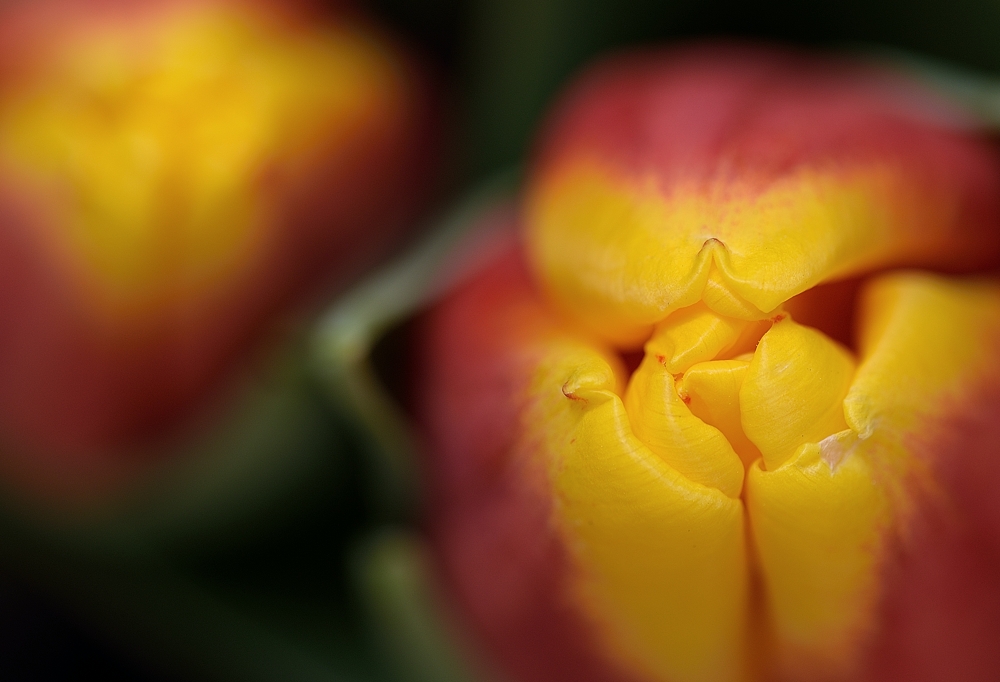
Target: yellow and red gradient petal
x=939 y=608
x=174 y=176
x=584 y=548
x=821 y=520
x=741 y=177
x=578 y=552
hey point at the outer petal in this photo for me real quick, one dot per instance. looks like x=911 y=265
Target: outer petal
x=567 y=538
x=744 y=177
x=173 y=176
x=939 y=609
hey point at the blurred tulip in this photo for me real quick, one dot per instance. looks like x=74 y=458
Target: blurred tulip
x=794 y=479
x=178 y=180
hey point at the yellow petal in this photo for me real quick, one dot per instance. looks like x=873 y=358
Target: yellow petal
x=713 y=392
x=660 y=559
x=820 y=520
x=793 y=391
x=697 y=334
x=816 y=532
x=661 y=419
x=932 y=331
x=660 y=416
x=621 y=253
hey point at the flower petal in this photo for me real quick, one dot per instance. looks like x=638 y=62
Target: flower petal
x=821 y=520
x=793 y=390
x=666 y=180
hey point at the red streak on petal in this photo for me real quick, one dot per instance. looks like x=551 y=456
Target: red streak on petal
x=940 y=614
x=572 y=396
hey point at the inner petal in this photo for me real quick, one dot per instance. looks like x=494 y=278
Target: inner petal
x=794 y=390
x=715 y=393
x=712 y=393
x=661 y=419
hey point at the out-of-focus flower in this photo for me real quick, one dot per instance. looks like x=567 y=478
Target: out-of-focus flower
x=795 y=479
x=177 y=177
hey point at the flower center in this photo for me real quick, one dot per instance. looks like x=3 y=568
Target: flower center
x=715 y=393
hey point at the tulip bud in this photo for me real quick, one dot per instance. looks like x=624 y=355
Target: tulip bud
x=762 y=493
x=175 y=179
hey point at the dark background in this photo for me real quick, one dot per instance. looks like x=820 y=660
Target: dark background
x=505 y=59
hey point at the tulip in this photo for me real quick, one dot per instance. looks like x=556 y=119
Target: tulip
x=727 y=410
x=178 y=180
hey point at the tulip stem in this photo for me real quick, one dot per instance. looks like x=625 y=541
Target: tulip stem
x=454 y=245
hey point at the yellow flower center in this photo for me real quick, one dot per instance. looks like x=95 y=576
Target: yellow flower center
x=709 y=404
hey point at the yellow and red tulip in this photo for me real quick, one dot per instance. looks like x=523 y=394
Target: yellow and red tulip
x=794 y=478
x=175 y=177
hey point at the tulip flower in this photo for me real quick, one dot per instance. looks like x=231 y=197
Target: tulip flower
x=728 y=410
x=177 y=179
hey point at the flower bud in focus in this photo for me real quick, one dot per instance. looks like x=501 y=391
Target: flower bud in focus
x=727 y=410
x=179 y=180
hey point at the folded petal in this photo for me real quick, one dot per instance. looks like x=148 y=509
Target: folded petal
x=743 y=177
